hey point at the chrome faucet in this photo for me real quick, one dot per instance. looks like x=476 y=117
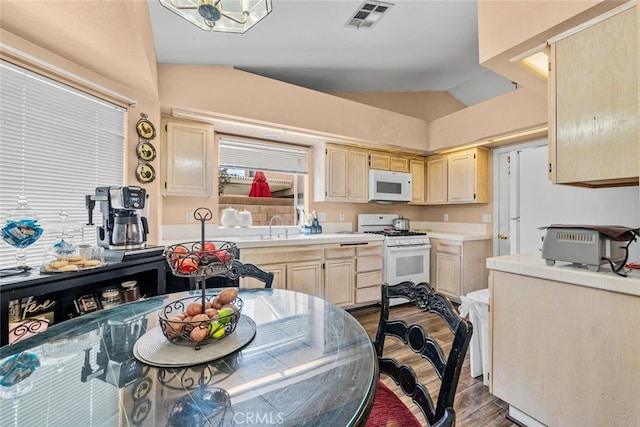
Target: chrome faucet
x=286 y=235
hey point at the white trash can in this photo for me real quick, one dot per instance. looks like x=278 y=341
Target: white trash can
x=476 y=305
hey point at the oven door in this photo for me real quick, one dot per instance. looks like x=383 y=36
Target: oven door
x=404 y=263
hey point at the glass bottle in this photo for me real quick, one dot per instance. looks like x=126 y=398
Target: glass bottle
x=21 y=229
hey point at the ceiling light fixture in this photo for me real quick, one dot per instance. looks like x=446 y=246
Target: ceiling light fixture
x=229 y=16
x=368 y=14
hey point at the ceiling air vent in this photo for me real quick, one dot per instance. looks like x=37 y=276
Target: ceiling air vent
x=368 y=14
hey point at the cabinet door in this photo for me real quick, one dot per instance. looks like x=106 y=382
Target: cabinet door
x=437 y=180
x=337 y=164
x=379 y=161
x=279 y=274
x=339 y=278
x=461 y=181
x=399 y=164
x=416 y=167
x=358 y=176
x=188 y=158
x=594 y=74
x=448 y=274
x=305 y=277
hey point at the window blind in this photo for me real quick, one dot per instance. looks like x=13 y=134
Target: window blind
x=245 y=154
x=57 y=144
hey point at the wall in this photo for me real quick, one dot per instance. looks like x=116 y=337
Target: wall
x=277 y=103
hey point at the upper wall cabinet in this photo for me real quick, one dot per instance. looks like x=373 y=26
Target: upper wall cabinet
x=593 y=94
x=188 y=149
x=389 y=162
x=418 y=180
x=459 y=177
x=341 y=174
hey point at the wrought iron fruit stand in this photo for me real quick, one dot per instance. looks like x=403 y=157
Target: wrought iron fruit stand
x=200 y=320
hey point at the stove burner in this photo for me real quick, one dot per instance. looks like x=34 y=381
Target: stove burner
x=397 y=233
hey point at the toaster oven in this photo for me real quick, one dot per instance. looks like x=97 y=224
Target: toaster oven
x=586 y=246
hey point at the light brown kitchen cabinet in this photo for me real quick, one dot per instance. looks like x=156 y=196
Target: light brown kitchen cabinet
x=459 y=267
x=369 y=273
x=339 y=274
x=341 y=174
x=379 y=160
x=305 y=277
x=294 y=268
x=436 y=180
x=388 y=161
x=593 y=108
x=187 y=158
x=418 y=181
x=458 y=177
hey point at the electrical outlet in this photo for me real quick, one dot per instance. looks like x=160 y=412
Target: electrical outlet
x=486 y=218
x=341 y=216
x=188 y=216
x=322 y=216
x=446 y=217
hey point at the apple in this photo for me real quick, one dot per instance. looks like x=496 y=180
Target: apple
x=187 y=265
x=179 y=252
x=222 y=255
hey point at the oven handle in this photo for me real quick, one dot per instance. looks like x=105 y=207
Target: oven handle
x=354 y=244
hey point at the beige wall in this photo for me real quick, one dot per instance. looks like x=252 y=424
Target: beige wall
x=239 y=94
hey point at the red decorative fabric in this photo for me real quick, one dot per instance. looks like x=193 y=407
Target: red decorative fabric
x=389 y=411
x=259 y=186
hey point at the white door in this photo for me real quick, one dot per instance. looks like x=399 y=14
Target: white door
x=506 y=162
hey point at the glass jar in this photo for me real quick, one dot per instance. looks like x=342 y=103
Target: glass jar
x=110 y=297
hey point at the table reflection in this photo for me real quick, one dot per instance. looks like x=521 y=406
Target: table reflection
x=310 y=363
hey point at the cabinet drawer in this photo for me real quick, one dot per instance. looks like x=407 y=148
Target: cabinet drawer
x=370 y=249
x=449 y=248
x=273 y=256
x=371 y=278
x=369 y=263
x=339 y=252
x=368 y=294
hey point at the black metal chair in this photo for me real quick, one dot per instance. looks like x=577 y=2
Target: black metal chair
x=239 y=269
x=388 y=409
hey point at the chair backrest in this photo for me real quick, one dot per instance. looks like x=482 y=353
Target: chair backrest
x=426 y=299
x=240 y=269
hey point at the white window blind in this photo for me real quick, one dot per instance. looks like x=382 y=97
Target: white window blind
x=57 y=144
x=236 y=154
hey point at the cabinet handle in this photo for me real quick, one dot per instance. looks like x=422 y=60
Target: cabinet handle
x=354 y=244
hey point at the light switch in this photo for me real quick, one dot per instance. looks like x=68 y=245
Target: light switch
x=486 y=218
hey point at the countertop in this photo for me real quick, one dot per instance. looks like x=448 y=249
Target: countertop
x=533 y=265
x=459 y=236
x=255 y=241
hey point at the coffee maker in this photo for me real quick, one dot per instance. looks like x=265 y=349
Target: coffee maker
x=123 y=225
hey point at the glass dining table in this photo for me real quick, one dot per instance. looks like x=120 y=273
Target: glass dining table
x=309 y=363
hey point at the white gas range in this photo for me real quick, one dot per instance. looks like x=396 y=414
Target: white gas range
x=406 y=253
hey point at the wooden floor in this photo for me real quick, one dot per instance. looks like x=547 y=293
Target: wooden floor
x=474 y=405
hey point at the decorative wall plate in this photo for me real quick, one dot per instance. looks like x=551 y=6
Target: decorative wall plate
x=145 y=151
x=145 y=173
x=145 y=128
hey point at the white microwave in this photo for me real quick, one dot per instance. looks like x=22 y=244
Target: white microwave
x=386 y=186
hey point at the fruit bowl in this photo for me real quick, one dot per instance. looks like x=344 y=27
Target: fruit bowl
x=187 y=322
x=204 y=259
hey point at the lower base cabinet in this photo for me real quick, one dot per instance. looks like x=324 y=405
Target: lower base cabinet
x=344 y=274
x=459 y=267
